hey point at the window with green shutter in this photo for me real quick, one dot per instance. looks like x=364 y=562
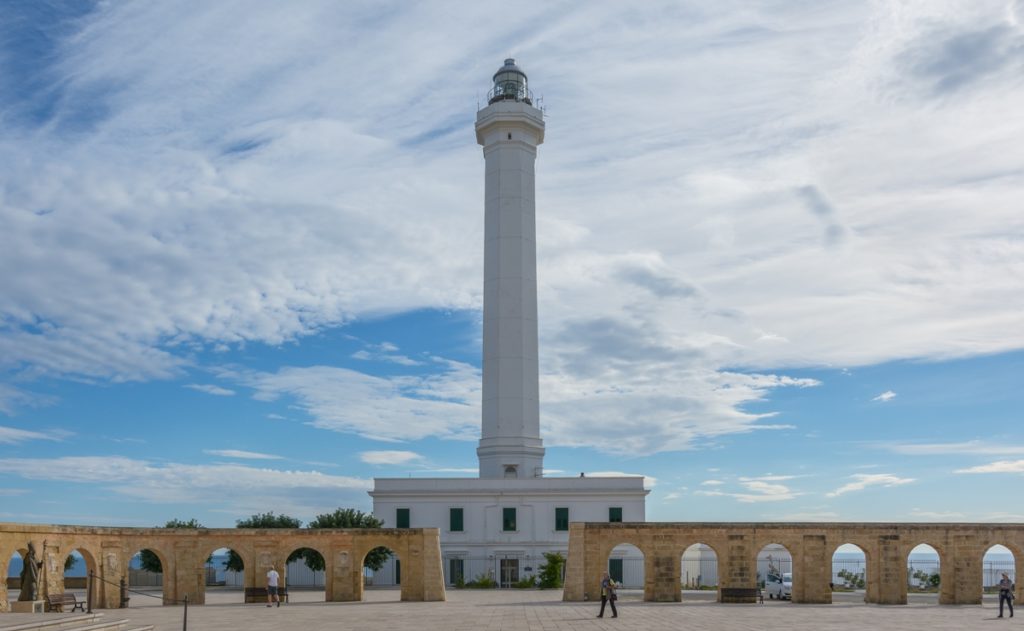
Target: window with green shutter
x=562 y=518
x=455 y=519
x=402 y=518
x=508 y=519
x=615 y=514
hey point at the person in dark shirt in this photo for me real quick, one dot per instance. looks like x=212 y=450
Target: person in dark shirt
x=608 y=595
x=1006 y=587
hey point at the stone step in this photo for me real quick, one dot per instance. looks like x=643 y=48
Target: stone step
x=89 y=622
x=56 y=624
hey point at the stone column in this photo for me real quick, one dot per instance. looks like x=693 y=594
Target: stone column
x=813 y=573
x=961 y=584
x=740 y=569
x=661 y=577
x=113 y=567
x=189 y=574
x=433 y=566
x=890 y=572
x=346 y=572
x=574 y=564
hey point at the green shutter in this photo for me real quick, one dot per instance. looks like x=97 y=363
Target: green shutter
x=508 y=519
x=615 y=514
x=455 y=519
x=402 y=518
x=615 y=570
x=562 y=518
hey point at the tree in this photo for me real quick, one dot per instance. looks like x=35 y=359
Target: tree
x=263 y=520
x=551 y=572
x=348 y=518
x=149 y=560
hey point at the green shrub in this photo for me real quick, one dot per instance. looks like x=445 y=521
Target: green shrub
x=482 y=581
x=525 y=583
x=550 y=576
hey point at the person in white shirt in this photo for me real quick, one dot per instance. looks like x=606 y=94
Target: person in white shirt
x=272 y=578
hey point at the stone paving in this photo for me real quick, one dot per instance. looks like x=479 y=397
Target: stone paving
x=533 y=610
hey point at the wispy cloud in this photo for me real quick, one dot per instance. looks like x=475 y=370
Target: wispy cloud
x=240 y=488
x=649 y=481
x=862 y=481
x=970 y=447
x=885 y=397
x=211 y=389
x=390 y=457
x=756 y=489
x=1001 y=466
x=244 y=455
x=13 y=435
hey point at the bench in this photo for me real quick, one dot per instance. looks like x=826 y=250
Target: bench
x=738 y=594
x=58 y=602
x=259 y=594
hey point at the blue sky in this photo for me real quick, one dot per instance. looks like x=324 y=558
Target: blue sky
x=780 y=250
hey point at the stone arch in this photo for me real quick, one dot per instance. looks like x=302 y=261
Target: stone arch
x=992 y=569
x=914 y=571
x=391 y=573
x=199 y=565
x=90 y=559
x=698 y=568
x=166 y=580
x=297 y=575
x=776 y=563
x=622 y=564
x=849 y=573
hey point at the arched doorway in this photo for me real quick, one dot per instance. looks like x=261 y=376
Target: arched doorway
x=996 y=560
x=224 y=577
x=775 y=572
x=304 y=576
x=77 y=566
x=849 y=580
x=15 y=565
x=698 y=572
x=923 y=574
x=382 y=576
x=626 y=567
x=146 y=579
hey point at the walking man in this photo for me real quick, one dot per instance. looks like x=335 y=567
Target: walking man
x=1006 y=594
x=608 y=595
x=272 y=578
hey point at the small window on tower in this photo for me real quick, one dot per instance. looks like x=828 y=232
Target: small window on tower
x=510 y=135
x=511 y=471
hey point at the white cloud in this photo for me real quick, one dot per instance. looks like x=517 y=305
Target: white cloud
x=928 y=515
x=1001 y=466
x=235 y=487
x=444 y=404
x=756 y=490
x=13 y=435
x=712 y=483
x=862 y=481
x=194 y=191
x=885 y=397
x=237 y=453
x=390 y=457
x=970 y=447
x=211 y=389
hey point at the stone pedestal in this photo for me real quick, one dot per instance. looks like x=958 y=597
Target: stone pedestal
x=28 y=606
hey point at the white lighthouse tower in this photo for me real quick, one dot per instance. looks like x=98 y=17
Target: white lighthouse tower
x=510 y=128
x=501 y=523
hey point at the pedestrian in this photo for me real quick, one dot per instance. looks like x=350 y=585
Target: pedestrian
x=1006 y=587
x=272 y=578
x=608 y=595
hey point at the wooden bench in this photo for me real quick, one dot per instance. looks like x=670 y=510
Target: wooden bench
x=58 y=602
x=259 y=594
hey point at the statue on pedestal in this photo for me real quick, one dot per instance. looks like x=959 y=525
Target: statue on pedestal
x=30 y=575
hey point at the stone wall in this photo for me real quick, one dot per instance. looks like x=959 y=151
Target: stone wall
x=183 y=554
x=961 y=548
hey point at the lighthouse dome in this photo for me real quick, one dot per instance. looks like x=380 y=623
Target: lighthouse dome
x=510 y=84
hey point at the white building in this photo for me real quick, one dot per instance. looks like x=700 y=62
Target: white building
x=500 y=524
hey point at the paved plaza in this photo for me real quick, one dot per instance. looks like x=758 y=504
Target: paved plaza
x=533 y=610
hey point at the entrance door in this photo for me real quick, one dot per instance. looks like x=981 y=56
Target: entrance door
x=615 y=570
x=509 y=572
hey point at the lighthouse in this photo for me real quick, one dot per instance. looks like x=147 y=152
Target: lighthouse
x=510 y=129
x=501 y=523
